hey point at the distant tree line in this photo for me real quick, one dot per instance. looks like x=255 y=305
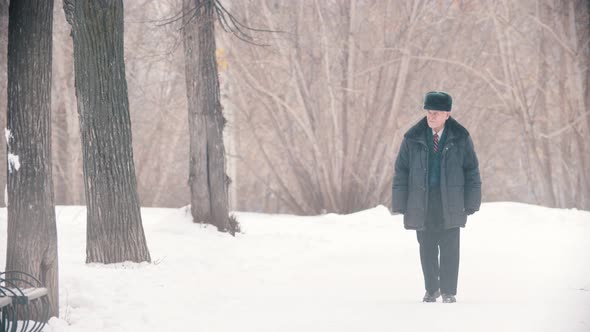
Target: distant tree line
x=320 y=113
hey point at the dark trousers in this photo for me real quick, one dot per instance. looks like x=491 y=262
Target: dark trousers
x=441 y=274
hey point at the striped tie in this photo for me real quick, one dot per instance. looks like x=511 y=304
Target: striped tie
x=435 y=146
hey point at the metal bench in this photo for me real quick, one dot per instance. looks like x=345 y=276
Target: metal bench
x=24 y=305
x=6 y=312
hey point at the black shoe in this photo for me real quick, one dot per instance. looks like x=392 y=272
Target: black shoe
x=431 y=297
x=447 y=298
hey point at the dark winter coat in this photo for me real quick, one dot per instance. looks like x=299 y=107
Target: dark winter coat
x=460 y=182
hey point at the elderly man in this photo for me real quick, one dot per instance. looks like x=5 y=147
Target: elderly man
x=436 y=185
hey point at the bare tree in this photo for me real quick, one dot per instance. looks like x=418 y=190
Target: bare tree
x=326 y=118
x=568 y=25
x=207 y=178
x=32 y=234
x=115 y=232
x=157 y=97
x=3 y=80
x=541 y=87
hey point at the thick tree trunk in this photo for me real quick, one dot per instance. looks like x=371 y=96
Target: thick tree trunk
x=32 y=235
x=115 y=232
x=207 y=178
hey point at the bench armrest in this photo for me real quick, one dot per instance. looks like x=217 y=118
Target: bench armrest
x=35 y=293
x=4 y=301
x=27 y=295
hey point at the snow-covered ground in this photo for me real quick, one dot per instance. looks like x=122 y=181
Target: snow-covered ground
x=523 y=268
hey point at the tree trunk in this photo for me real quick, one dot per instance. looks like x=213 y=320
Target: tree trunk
x=114 y=232
x=207 y=178
x=3 y=84
x=347 y=196
x=32 y=234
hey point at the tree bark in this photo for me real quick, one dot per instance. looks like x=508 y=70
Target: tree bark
x=3 y=84
x=32 y=235
x=207 y=178
x=114 y=232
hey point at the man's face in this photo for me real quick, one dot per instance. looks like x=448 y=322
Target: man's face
x=437 y=119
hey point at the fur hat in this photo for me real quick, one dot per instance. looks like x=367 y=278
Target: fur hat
x=438 y=100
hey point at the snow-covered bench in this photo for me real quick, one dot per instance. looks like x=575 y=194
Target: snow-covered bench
x=24 y=305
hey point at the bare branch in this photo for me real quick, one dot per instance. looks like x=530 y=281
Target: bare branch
x=567 y=126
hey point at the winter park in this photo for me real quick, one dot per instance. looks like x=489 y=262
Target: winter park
x=379 y=165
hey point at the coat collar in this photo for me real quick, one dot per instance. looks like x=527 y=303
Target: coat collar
x=455 y=130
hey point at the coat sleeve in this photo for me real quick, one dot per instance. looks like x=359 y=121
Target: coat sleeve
x=399 y=197
x=472 y=179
